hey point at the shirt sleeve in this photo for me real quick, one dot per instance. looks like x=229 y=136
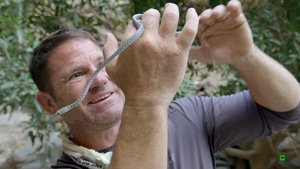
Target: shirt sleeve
x=234 y=119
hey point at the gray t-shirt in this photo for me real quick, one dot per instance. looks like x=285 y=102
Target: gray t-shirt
x=200 y=126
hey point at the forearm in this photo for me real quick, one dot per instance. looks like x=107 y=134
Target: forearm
x=142 y=140
x=269 y=83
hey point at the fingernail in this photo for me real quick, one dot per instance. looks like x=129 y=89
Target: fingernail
x=192 y=9
x=168 y=4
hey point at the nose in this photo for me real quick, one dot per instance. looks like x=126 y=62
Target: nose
x=100 y=80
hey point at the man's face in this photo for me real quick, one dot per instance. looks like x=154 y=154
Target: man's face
x=70 y=66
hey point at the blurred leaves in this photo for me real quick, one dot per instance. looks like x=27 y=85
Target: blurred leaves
x=276 y=30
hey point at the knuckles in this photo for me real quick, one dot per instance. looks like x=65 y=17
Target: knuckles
x=171 y=15
x=149 y=45
x=190 y=31
x=146 y=42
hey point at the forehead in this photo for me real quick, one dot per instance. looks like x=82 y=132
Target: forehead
x=76 y=46
x=74 y=49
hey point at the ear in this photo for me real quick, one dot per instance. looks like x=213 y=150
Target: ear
x=47 y=102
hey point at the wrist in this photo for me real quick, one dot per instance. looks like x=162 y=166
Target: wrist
x=246 y=59
x=148 y=102
x=141 y=117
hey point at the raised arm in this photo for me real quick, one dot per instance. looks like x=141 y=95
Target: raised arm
x=227 y=39
x=149 y=73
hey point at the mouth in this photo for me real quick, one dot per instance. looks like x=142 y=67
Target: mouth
x=100 y=98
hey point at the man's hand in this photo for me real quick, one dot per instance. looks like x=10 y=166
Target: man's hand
x=225 y=35
x=152 y=68
x=149 y=73
x=226 y=38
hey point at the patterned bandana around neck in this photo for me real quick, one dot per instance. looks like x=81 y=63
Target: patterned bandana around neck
x=83 y=156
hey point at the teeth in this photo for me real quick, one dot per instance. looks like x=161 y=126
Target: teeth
x=100 y=98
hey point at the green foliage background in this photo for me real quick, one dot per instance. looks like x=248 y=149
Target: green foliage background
x=23 y=23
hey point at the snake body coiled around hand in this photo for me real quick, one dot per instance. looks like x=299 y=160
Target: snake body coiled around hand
x=136 y=20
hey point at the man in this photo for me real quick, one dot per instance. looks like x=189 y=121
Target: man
x=141 y=124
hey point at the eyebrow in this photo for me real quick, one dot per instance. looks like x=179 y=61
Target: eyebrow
x=99 y=59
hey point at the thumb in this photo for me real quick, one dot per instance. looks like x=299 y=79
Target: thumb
x=110 y=46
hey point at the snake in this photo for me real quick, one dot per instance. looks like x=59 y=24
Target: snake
x=136 y=20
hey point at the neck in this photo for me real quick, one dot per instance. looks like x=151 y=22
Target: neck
x=97 y=141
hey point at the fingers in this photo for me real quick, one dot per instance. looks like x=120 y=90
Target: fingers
x=234 y=7
x=210 y=16
x=150 y=20
x=167 y=28
x=220 y=13
x=205 y=17
x=110 y=46
x=189 y=31
x=169 y=21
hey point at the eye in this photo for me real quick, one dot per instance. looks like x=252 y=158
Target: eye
x=99 y=63
x=76 y=75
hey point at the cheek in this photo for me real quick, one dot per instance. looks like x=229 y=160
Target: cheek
x=121 y=100
x=121 y=95
x=68 y=94
x=69 y=117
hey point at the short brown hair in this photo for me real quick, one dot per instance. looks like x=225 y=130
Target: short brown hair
x=38 y=63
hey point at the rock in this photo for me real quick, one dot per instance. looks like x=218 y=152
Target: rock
x=17 y=151
x=29 y=156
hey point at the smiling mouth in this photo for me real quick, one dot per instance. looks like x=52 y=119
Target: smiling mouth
x=100 y=98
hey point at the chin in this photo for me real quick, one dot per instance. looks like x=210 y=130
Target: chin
x=105 y=123
x=107 y=116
